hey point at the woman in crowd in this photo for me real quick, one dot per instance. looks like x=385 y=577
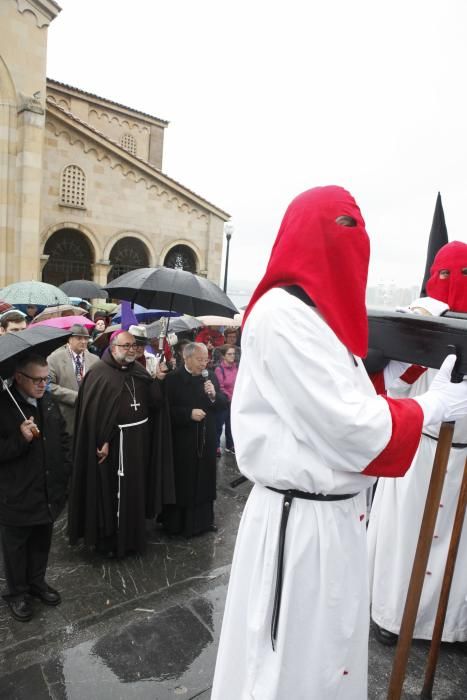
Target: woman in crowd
x=226 y=374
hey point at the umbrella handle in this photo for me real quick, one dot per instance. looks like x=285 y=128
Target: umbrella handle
x=34 y=429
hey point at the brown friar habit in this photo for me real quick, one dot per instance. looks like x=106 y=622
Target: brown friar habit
x=194 y=446
x=108 y=510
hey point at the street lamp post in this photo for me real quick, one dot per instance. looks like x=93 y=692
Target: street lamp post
x=228 y=228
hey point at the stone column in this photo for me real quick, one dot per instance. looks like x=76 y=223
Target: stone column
x=29 y=183
x=100 y=271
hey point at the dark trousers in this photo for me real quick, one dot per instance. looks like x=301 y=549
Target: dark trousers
x=25 y=555
x=223 y=417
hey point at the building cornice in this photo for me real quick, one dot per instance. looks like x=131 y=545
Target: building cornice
x=43 y=10
x=133 y=162
x=104 y=104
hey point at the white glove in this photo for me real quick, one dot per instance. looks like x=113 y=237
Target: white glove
x=444 y=401
x=426 y=306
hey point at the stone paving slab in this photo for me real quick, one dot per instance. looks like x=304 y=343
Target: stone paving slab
x=148 y=627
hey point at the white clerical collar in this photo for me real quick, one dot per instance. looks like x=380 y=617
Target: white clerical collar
x=189 y=371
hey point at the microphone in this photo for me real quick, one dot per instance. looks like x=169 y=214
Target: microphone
x=205 y=378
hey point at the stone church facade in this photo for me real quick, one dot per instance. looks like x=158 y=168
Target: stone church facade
x=82 y=192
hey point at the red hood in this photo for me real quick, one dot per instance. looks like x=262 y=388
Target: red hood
x=453 y=289
x=327 y=260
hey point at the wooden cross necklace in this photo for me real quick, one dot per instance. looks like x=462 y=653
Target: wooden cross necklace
x=133 y=395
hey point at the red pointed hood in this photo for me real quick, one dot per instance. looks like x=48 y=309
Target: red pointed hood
x=453 y=288
x=327 y=260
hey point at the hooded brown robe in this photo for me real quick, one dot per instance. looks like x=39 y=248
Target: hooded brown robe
x=110 y=501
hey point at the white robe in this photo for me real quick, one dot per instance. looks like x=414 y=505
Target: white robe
x=393 y=532
x=304 y=416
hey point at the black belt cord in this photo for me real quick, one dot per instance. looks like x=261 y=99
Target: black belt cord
x=456 y=445
x=289 y=495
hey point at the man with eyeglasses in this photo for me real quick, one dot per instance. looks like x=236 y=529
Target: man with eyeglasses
x=116 y=453
x=35 y=464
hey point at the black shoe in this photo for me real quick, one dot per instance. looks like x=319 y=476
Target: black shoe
x=20 y=609
x=385 y=636
x=47 y=595
x=212 y=528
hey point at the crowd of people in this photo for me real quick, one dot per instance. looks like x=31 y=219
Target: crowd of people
x=129 y=435
x=125 y=434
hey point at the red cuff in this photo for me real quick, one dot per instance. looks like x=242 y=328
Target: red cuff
x=411 y=374
x=397 y=456
x=377 y=379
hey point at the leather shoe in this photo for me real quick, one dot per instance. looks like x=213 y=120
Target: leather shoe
x=385 y=636
x=20 y=609
x=48 y=595
x=212 y=528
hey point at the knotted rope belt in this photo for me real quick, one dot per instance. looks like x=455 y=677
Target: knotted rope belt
x=121 y=471
x=289 y=495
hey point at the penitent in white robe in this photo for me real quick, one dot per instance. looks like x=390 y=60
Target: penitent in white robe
x=393 y=534
x=305 y=416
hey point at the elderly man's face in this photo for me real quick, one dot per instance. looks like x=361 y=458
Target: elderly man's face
x=198 y=361
x=124 y=349
x=78 y=343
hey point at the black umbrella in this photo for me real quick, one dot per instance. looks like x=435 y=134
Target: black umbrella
x=86 y=289
x=38 y=340
x=169 y=288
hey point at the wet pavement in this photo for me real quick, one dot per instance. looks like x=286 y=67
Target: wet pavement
x=147 y=628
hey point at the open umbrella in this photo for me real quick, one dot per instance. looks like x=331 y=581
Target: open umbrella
x=65 y=322
x=5 y=306
x=39 y=340
x=177 y=325
x=57 y=311
x=34 y=293
x=83 y=288
x=13 y=346
x=106 y=307
x=143 y=314
x=169 y=288
x=220 y=321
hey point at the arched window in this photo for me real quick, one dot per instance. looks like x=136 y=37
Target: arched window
x=73 y=187
x=181 y=257
x=128 y=142
x=70 y=257
x=127 y=254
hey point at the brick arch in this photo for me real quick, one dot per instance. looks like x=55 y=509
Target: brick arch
x=187 y=244
x=70 y=255
x=130 y=234
x=128 y=252
x=90 y=235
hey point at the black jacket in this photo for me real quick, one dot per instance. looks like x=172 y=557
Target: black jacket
x=33 y=475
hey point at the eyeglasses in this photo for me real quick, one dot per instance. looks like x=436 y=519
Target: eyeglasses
x=127 y=346
x=36 y=380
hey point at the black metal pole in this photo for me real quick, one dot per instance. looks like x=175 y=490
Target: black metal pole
x=228 y=235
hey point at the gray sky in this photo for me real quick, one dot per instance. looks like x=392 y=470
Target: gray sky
x=266 y=99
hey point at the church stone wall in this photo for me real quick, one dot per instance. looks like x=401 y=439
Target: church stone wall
x=148 y=138
x=123 y=201
x=23 y=46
